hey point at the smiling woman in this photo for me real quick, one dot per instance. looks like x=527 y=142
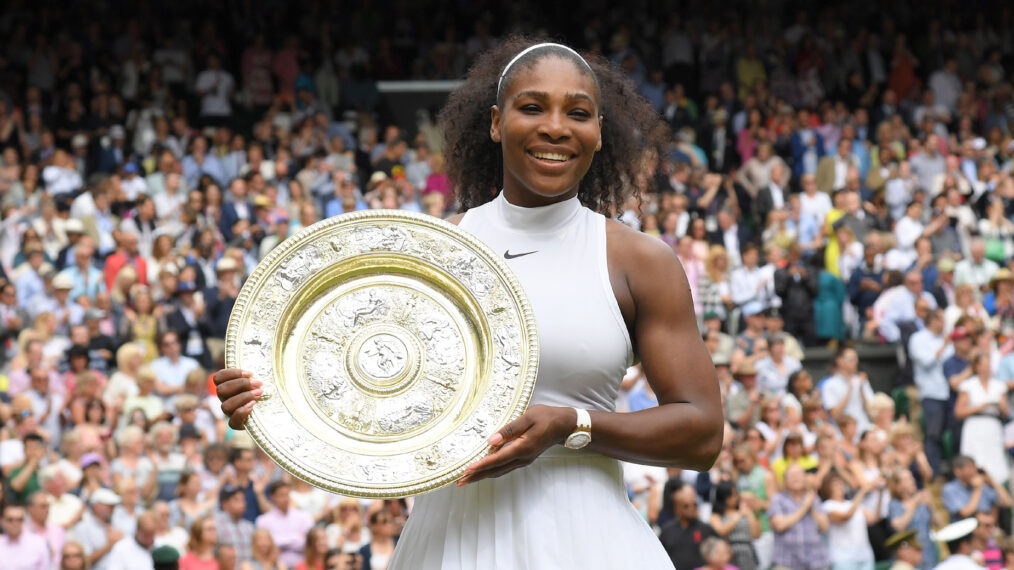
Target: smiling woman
x=626 y=124
x=542 y=146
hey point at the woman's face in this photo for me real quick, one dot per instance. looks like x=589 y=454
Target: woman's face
x=982 y=368
x=209 y=534
x=193 y=486
x=95 y=412
x=698 y=229
x=772 y=415
x=837 y=489
x=549 y=130
x=733 y=501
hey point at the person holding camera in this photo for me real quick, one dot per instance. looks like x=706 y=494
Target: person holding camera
x=972 y=490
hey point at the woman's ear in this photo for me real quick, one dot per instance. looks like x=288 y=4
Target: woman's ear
x=494 y=125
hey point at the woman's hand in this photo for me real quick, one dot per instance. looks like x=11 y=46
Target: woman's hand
x=238 y=392
x=535 y=431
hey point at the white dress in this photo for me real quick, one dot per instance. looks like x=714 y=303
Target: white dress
x=982 y=434
x=568 y=509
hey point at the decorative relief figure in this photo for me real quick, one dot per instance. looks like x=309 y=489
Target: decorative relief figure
x=297 y=267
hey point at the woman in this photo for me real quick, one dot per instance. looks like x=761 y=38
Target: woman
x=670 y=228
x=699 y=231
x=142 y=320
x=910 y=509
x=263 y=553
x=868 y=468
x=909 y=453
x=163 y=256
x=552 y=112
x=123 y=383
x=316 y=549
x=131 y=462
x=96 y=433
x=756 y=485
x=186 y=507
x=772 y=426
x=713 y=284
x=717 y=555
x=997 y=231
x=881 y=409
x=847 y=538
x=201 y=547
x=851 y=254
x=733 y=519
x=983 y=406
x=799 y=387
x=792 y=454
x=437 y=182
x=345 y=529
x=964 y=304
x=378 y=553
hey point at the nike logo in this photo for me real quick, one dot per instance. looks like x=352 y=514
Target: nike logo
x=508 y=255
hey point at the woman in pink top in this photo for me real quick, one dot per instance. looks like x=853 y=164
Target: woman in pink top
x=201 y=548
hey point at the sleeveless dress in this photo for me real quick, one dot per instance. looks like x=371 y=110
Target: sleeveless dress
x=568 y=509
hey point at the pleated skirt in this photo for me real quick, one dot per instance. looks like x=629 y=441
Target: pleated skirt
x=566 y=510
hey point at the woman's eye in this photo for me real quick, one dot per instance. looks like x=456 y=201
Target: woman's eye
x=531 y=108
x=580 y=113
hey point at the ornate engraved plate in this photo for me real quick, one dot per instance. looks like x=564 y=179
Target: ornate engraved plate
x=390 y=344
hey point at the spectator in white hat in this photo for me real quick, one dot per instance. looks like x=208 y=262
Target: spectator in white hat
x=96 y=532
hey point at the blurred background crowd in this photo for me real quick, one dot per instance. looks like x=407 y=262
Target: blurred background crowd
x=839 y=180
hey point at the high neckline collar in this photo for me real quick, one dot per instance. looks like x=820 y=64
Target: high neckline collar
x=537 y=219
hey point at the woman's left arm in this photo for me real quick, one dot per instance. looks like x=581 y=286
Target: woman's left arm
x=686 y=429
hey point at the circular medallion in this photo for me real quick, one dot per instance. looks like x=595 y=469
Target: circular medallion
x=390 y=344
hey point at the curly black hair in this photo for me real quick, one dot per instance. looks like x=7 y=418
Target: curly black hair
x=474 y=162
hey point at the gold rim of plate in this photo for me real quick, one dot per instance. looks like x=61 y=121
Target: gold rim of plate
x=390 y=345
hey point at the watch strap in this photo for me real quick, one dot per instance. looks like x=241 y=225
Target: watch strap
x=583 y=420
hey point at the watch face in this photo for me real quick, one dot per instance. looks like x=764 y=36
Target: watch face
x=578 y=440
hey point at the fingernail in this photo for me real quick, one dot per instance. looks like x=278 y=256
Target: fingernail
x=247 y=373
x=256 y=393
x=256 y=383
x=495 y=439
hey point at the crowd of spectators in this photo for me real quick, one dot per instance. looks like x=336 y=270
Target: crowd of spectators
x=837 y=177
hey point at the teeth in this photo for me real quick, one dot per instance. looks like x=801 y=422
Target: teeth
x=551 y=156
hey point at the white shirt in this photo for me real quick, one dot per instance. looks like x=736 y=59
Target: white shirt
x=730 y=238
x=60 y=180
x=927 y=369
x=978 y=274
x=958 y=562
x=777 y=198
x=127 y=554
x=834 y=391
x=816 y=206
x=216 y=102
x=751 y=285
x=848 y=541
x=841 y=170
x=907 y=231
x=133 y=185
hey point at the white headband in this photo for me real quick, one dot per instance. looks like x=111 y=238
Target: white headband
x=522 y=53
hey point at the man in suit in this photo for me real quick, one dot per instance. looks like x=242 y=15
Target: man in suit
x=236 y=209
x=189 y=324
x=718 y=143
x=832 y=170
x=731 y=235
x=220 y=301
x=771 y=197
